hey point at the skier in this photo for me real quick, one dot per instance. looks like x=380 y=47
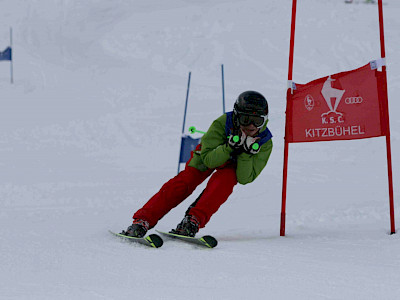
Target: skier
x=235 y=148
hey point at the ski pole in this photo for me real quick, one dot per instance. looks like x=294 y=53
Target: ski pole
x=236 y=138
x=193 y=129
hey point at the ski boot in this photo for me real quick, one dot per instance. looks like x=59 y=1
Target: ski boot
x=188 y=227
x=138 y=229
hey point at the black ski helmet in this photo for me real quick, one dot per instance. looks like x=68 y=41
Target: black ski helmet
x=250 y=103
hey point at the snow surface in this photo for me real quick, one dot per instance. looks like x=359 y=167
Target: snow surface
x=91 y=129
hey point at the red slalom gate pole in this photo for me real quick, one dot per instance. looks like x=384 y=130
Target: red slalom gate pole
x=284 y=189
x=388 y=147
x=292 y=33
x=286 y=150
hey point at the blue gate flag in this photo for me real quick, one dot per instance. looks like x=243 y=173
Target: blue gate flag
x=188 y=144
x=6 y=54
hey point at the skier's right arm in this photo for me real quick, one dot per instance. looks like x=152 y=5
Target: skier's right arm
x=215 y=150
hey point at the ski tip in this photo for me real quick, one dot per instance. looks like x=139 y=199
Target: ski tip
x=210 y=241
x=155 y=240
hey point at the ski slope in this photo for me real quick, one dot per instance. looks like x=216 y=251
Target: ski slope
x=91 y=128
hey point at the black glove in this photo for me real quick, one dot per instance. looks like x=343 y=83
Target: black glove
x=251 y=145
x=236 y=141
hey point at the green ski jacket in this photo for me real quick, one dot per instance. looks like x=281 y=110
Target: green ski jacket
x=215 y=152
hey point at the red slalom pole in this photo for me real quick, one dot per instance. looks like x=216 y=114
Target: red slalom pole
x=286 y=150
x=284 y=189
x=388 y=147
x=292 y=33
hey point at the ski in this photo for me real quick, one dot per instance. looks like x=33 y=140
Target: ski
x=206 y=241
x=152 y=240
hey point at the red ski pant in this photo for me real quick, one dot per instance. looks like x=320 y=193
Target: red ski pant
x=177 y=189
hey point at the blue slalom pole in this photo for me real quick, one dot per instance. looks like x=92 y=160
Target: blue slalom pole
x=186 y=103
x=184 y=118
x=223 y=88
x=11 y=61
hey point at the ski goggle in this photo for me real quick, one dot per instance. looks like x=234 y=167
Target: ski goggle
x=257 y=121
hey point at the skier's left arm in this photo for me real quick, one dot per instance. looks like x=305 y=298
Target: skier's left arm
x=249 y=166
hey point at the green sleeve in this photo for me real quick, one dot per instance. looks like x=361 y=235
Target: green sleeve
x=250 y=166
x=214 y=149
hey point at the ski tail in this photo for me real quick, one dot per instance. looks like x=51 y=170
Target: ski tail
x=205 y=241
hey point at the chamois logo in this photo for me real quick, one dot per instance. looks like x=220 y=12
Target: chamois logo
x=332 y=98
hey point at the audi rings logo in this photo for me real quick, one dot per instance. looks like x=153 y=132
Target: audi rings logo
x=353 y=100
x=309 y=102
